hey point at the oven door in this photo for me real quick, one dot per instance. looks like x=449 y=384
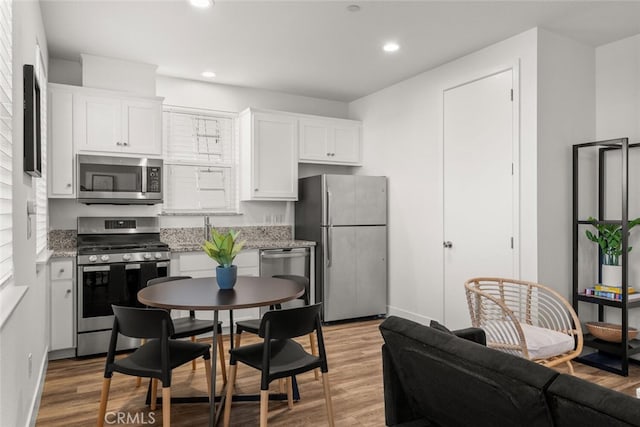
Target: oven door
x=100 y=286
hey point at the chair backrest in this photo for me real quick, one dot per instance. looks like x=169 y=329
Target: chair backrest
x=143 y=322
x=290 y=322
x=301 y=280
x=166 y=279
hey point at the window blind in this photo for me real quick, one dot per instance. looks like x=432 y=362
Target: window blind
x=6 y=168
x=41 y=183
x=200 y=157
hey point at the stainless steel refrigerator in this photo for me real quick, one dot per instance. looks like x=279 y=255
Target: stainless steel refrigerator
x=346 y=215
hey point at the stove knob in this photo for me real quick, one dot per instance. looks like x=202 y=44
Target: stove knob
x=93 y=258
x=147 y=256
x=157 y=255
x=104 y=258
x=126 y=257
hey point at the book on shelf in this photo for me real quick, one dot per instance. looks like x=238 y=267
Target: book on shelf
x=614 y=289
x=611 y=295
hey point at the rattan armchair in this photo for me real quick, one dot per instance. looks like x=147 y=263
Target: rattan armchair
x=508 y=310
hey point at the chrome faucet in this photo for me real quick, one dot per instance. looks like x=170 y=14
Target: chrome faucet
x=207 y=227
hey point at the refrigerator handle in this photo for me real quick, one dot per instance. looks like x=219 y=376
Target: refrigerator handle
x=328 y=246
x=329 y=220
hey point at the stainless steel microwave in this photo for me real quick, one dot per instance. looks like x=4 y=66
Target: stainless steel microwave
x=119 y=180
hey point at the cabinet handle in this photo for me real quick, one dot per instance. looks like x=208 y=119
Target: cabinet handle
x=125 y=144
x=328 y=154
x=68 y=291
x=68 y=185
x=62 y=270
x=118 y=143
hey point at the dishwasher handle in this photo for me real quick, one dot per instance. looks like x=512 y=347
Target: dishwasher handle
x=283 y=253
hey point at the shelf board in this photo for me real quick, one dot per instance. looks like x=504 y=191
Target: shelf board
x=607 y=301
x=611 y=347
x=604 y=361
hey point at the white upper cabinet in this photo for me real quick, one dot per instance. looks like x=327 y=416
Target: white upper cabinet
x=117 y=124
x=60 y=142
x=330 y=141
x=268 y=156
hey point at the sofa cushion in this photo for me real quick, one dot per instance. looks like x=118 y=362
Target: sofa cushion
x=576 y=402
x=454 y=382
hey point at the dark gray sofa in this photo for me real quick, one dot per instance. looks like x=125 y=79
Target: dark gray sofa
x=436 y=378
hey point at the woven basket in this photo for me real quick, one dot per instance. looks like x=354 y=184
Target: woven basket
x=609 y=331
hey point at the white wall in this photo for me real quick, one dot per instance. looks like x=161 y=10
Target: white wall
x=25 y=332
x=618 y=116
x=197 y=94
x=566 y=116
x=401 y=134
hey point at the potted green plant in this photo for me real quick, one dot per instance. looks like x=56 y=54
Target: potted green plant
x=223 y=248
x=609 y=238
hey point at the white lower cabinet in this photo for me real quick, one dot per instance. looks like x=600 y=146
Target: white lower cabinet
x=62 y=334
x=198 y=264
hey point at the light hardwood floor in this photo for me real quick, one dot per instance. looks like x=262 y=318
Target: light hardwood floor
x=72 y=388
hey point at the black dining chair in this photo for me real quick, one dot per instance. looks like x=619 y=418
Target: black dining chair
x=253 y=325
x=155 y=359
x=191 y=326
x=280 y=356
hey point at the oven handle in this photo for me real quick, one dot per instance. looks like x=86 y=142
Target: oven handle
x=96 y=268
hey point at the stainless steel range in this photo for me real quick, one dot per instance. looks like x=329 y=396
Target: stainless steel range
x=116 y=258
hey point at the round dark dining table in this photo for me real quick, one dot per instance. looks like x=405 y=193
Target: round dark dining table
x=204 y=294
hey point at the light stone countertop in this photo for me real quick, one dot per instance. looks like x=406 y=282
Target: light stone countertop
x=63 y=242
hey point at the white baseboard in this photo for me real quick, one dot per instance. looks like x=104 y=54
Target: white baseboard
x=418 y=318
x=35 y=404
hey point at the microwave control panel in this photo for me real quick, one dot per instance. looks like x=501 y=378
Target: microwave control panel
x=154 y=179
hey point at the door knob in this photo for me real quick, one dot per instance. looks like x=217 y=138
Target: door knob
x=448 y=244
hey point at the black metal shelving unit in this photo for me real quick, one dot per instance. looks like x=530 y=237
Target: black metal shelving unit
x=612 y=357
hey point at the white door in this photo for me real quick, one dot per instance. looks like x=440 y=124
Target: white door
x=478 y=188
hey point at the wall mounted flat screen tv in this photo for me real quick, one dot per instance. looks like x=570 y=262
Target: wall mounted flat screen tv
x=32 y=130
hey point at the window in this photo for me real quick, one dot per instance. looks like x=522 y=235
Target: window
x=200 y=158
x=41 y=183
x=6 y=168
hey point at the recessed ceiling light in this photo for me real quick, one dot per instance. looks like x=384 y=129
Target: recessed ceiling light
x=208 y=74
x=201 y=3
x=353 y=8
x=390 y=47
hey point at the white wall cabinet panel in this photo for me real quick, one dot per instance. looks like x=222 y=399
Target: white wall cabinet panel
x=330 y=141
x=114 y=124
x=60 y=147
x=62 y=305
x=268 y=156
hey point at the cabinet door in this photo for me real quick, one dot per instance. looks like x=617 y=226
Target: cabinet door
x=60 y=144
x=141 y=127
x=345 y=144
x=98 y=123
x=275 y=157
x=313 y=140
x=61 y=314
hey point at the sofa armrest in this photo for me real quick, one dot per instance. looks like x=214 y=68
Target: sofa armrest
x=476 y=335
x=396 y=407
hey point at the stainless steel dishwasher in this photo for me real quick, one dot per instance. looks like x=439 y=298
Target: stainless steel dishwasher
x=292 y=261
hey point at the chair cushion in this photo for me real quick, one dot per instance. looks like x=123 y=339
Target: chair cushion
x=544 y=343
x=541 y=343
x=252 y=326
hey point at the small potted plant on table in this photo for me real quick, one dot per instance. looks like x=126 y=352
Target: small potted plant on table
x=223 y=248
x=609 y=238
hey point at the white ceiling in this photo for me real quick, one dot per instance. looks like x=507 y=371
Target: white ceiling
x=314 y=48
